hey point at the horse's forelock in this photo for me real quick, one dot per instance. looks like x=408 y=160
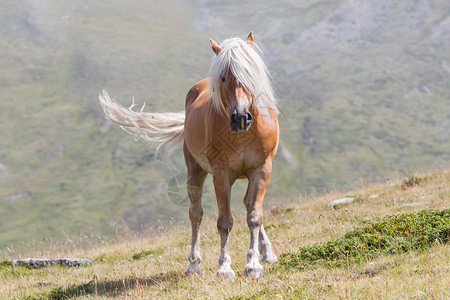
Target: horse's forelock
x=246 y=65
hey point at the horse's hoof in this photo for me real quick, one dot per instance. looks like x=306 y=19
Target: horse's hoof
x=253 y=270
x=225 y=273
x=269 y=258
x=193 y=271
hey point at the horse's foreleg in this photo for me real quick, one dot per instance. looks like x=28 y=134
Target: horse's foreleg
x=258 y=182
x=195 y=180
x=265 y=247
x=222 y=186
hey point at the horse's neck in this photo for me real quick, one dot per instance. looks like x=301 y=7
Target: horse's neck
x=265 y=117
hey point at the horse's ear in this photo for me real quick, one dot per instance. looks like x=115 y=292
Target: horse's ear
x=250 y=40
x=216 y=48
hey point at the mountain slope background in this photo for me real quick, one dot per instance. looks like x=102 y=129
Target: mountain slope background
x=364 y=90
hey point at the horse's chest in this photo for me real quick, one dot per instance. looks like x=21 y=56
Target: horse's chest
x=231 y=151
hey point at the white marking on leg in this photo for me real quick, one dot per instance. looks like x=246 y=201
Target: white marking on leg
x=224 y=259
x=253 y=268
x=265 y=247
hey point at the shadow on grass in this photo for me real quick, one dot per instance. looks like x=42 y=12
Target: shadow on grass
x=107 y=288
x=117 y=287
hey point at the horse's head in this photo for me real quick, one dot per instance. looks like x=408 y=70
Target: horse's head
x=231 y=79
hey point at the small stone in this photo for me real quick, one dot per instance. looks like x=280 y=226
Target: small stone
x=414 y=204
x=18 y=196
x=341 y=201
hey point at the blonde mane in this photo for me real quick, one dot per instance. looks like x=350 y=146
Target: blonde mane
x=248 y=68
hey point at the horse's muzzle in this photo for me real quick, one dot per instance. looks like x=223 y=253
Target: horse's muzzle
x=240 y=121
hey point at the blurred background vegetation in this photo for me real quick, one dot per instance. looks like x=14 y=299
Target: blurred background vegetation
x=364 y=89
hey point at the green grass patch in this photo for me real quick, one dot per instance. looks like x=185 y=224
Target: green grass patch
x=270 y=226
x=7 y=269
x=5 y=263
x=109 y=257
x=413 y=181
x=147 y=253
x=390 y=235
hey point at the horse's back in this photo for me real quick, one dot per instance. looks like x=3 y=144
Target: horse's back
x=198 y=112
x=199 y=92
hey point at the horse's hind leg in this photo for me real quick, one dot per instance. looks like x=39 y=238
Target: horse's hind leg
x=258 y=182
x=195 y=179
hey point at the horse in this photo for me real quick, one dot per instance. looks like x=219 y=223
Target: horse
x=229 y=129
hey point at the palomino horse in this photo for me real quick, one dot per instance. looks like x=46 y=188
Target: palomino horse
x=230 y=130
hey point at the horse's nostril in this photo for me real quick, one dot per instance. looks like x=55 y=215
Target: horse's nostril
x=240 y=121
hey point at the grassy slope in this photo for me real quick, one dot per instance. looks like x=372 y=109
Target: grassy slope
x=154 y=268
x=363 y=89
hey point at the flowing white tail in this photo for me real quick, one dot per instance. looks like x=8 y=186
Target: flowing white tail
x=160 y=129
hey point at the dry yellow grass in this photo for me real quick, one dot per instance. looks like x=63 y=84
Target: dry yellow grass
x=158 y=268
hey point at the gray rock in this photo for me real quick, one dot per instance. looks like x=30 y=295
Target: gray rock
x=341 y=201
x=45 y=262
x=18 y=196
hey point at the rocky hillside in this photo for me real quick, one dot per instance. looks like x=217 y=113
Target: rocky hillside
x=363 y=86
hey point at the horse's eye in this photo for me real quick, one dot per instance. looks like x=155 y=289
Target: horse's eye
x=222 y=78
